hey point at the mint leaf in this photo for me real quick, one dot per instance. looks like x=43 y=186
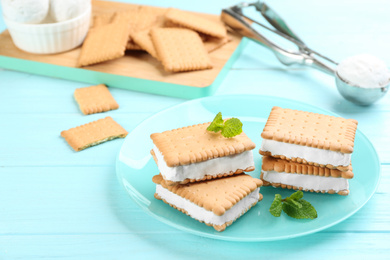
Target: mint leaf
x=294 y=206
x=296 y=195
x=217 y=123
x=296 y=203
x=276 y=206
x=308 y=209
x=304 y=212
x=233 y=127
x=230 y=128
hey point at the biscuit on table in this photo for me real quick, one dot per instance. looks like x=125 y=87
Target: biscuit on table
x=196 y=23
x=309 y=138
x=93 y=133
x=191 y=154
x=180 y=49
x=214 y=202
x=291 y=175
x=95 y=99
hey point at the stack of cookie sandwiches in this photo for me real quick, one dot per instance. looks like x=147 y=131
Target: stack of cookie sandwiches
x=307 y=151
x=202 y=174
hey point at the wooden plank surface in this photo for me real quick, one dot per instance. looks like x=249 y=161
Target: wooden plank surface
x=135 y=64
x=56 y=203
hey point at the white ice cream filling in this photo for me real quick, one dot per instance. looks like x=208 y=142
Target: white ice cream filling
x=204 y=215
x=310 y=154
x=199 y=170
x=307 y=182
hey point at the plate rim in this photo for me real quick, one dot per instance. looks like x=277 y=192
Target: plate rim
x=231 y=238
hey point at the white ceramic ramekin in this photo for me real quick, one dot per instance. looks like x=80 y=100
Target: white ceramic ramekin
x=50 y=37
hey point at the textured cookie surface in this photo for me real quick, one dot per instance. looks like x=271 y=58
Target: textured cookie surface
x=279 y=165
x=216 y=195
x=196 y=23
x=310 y=129
x=95 y=99
x=93 y=133
x=103 y=43
x=180 y=49
x=194 y=144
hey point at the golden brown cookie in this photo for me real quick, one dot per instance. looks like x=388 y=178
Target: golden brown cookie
x=180 y=49
x=104 y=43
x=193 y=144
x=196 y=23
x=93 y=133
x=310 y=129
x=95 y=99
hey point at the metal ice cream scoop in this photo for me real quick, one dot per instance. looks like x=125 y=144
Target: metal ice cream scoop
x=303 y=56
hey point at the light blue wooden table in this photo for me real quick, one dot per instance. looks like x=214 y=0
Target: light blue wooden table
x=56 y=203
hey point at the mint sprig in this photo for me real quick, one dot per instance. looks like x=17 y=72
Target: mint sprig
x=294 y=206
x=229 y=128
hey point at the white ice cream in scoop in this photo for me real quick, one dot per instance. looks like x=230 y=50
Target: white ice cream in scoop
x=62 y=10
x=25 y=11
x=365 y=71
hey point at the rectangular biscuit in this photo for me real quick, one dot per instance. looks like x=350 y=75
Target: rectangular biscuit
x=107 y=18
x=309 y=138
x=292 y=175
x=196 y=23
x=95 y=99
x=180 y=49
x=104 y=43
x=217 y=203
x=93 y=133
x=192 y=153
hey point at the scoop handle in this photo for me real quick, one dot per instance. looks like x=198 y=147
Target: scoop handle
x=276 y=21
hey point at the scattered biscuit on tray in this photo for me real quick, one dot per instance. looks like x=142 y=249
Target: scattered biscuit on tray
x=196 y=23
x=95 y=99
x=104 y=43
x=139 y=23
x=180 y=49
x=93 y=133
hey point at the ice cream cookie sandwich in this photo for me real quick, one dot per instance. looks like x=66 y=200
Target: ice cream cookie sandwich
x=217 y=202
x=292 y=175
x=192 y=154
x=309 y=138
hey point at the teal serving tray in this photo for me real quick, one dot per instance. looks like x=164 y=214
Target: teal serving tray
x=136 y=71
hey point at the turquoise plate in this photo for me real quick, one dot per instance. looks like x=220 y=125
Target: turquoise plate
x=135 y=168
